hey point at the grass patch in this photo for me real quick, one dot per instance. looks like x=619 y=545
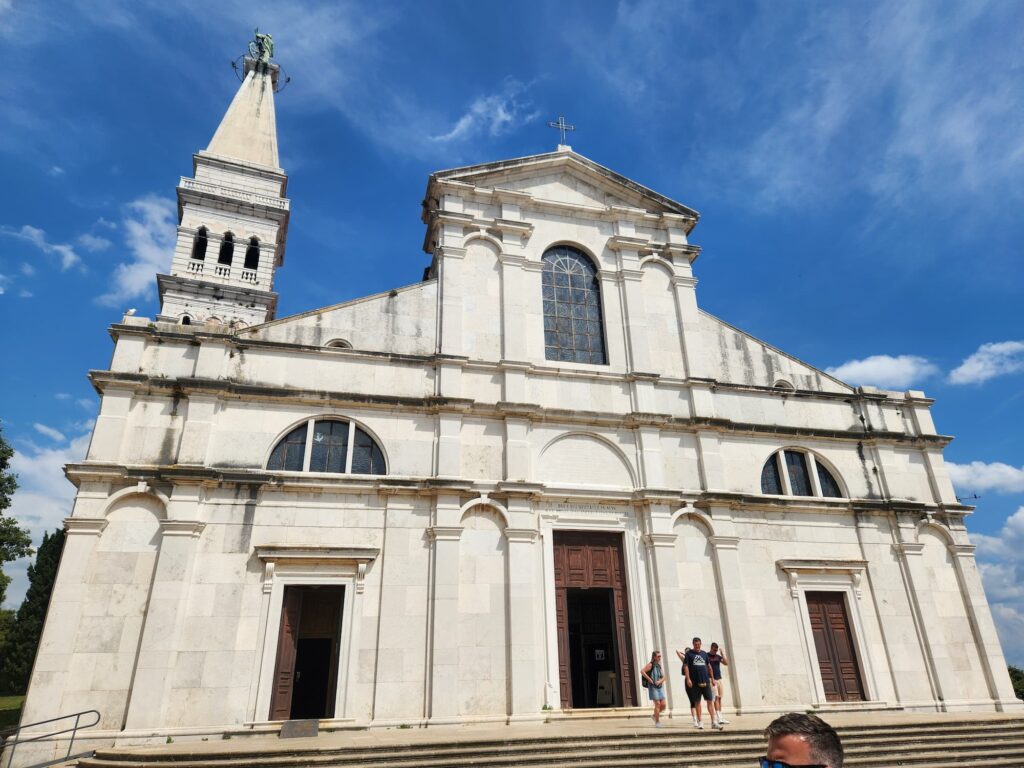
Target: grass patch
x=10 y=710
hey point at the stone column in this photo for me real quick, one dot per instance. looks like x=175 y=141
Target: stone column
x=745 y=679
x=990 y=652
x=916 y=580
x=525 y=615
x=57 y=643
x=158 y=650
x=444 y=668
x=664 y=595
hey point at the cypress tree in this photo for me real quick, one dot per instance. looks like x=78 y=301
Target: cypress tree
x=14 y=540
x=19 y=650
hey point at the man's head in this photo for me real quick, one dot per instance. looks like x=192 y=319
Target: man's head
x=803 y=740
x=696 y=643
x=714 y=647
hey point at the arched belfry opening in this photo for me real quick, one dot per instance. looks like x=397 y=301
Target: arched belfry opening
x=252 y=254
x=227 y=249
x=199 y=245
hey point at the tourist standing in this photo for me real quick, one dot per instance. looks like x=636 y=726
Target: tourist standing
x=654 y=681
x=717 y=658
x=697 y=671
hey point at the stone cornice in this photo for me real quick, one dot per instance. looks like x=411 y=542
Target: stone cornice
x=183 y=386
x=84 y=526
x=188 y=528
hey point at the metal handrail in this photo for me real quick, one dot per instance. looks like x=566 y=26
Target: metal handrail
x=16 y=739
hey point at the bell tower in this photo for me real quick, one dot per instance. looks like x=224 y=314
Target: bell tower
x=232 y=212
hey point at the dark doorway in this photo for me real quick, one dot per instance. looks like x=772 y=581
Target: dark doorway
x=595 y=651
x=305 y=680
x=833 y=642
x=592 y=654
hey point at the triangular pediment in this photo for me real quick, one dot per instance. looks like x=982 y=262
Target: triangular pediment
x=565 y=177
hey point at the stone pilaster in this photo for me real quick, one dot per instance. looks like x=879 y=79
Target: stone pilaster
x=444 y=668
x=745 y=677
x=526 y=617
x=158 y=650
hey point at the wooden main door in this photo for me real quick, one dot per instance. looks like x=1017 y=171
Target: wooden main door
x=833 y=641
x=592 y=611
x=305 y=678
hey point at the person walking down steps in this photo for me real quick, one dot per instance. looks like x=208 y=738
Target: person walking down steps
x=654 y=682
x=717 y=658
x=697 y=671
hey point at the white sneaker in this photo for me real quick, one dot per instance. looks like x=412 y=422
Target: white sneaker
x=722 y=720
x=719 y=726
x=700 y=725
x=659 y=725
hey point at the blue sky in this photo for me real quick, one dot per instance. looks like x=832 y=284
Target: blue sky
x=858 y=168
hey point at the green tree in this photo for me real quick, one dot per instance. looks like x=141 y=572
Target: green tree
x=1017 y=678
x=19 y=650
x=14 y=540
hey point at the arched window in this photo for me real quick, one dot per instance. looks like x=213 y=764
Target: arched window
x=784 y=385
x=227 y=249
x=793 y=473
x=252 y=254
x=328 y=445
x=186 y=320
x=199 y=245
x=573 y=327
x=338 y=344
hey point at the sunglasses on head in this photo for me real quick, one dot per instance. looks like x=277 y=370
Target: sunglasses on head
x=764 y=762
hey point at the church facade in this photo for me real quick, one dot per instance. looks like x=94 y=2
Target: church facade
x=490 y=494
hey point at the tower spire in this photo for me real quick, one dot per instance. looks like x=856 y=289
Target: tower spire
x=233 y=213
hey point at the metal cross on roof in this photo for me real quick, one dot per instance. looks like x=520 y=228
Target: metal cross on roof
x=562 y=127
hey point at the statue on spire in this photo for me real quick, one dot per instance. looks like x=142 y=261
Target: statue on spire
x=262 y=48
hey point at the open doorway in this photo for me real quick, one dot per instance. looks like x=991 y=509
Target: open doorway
x=592 y=610
x=305 y=679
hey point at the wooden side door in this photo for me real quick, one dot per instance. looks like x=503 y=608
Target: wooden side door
x=833 y=643
x=287 y=643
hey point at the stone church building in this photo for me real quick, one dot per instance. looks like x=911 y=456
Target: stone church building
x=489 y=494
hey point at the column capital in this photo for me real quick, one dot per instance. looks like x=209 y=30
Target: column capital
x=724 y=542
x=444 y=533
x=87 y=526
x=182 y=528
x=521 y=535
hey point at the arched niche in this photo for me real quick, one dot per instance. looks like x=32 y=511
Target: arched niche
x=483 y=612
x=580 y=458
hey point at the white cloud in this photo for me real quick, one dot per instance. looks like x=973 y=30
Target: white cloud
x=25 y=294
x=93 y=243
x=149 y=230
x=1001 y=563
x=43 y=499
x=36 y=236
x=494 y=114
x=56 y=170
x=897 y=372
x=50 y=432
x=62 y=396
x=4 y=282
x=87 y=403
x=990 y=360
x=979 y=476
x=27 y=269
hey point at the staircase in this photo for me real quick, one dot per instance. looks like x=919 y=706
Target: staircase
x=943 y=742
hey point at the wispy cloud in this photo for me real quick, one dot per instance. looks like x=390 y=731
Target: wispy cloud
x=37 y=237
x=150 y=230
x=898 y=372
x=989 y=361
x=494 y=114
x=55 y=170
x=982 y=476
x=93 y=243
x=49 y=432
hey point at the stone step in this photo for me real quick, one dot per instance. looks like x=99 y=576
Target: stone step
x=685 y=740
x=995 y=742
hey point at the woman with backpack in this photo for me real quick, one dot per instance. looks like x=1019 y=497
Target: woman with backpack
x=654 y=682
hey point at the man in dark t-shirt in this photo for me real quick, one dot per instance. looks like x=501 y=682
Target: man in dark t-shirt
x=697 y=671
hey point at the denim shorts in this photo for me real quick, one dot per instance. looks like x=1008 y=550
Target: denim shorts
x=656 y=693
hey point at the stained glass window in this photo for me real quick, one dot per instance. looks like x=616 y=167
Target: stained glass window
x=771 y=480
x=829 y=486
x=290 y=452
x=330 y=447
x=573 y=326
x=328 y=442
x=799 y=479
